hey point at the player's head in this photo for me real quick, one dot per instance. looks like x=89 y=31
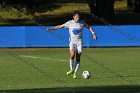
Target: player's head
x=76 y=15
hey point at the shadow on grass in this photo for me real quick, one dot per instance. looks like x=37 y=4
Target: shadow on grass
x=17 y=22
x=105 y=89
x=127 y=19
x=60 y=19
x=119 y=19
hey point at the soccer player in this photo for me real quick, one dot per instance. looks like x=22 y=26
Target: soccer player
x=75 y=30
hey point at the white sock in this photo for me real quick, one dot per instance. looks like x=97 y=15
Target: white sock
x=71 y=65
x=76 y=67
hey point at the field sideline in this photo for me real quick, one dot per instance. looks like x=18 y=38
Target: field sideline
x=37 y=68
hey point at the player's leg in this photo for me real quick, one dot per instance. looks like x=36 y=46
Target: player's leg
x=77 y=63
x=72 y=55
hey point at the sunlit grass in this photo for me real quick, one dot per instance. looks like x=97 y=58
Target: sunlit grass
x=120 y=5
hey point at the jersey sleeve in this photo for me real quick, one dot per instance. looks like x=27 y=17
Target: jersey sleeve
x=66 y=25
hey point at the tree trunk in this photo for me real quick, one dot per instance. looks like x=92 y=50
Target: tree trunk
x=137 y=6
x=91 y=4
x=130 y=4
x=105 y=8
x=102 y=8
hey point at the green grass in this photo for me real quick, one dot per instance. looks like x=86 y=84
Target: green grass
x=68 y=8
x=108 y=66
x=120 y=6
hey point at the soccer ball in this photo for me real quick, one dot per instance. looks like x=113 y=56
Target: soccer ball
x=86 y=74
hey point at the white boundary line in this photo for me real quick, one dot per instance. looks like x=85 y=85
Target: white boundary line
x=27 y=56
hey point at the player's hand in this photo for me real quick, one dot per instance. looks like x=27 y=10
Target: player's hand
x=48 y=29
x=94 y=37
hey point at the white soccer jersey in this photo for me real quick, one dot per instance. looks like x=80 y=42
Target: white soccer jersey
x=75 y=30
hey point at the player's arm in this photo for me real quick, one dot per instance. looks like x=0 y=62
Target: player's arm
x=91 y=30
x=55 y=27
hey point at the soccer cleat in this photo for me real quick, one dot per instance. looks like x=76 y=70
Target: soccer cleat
x=69 y=72
x=74 y=76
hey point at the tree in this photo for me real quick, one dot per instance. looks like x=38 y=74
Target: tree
x=137 y=6
x=130 y=4
x=92 y=6
x=102 y=8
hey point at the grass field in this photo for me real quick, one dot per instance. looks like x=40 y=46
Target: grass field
x=116 y=70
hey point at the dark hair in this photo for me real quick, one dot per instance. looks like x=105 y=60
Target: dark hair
x=76 y=12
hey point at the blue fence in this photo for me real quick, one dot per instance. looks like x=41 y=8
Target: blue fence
x=36 y=36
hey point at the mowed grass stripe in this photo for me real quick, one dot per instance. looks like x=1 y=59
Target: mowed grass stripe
x=124 y=61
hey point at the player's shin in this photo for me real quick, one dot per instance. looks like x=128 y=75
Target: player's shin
x=77 y=64
x=71 y=65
